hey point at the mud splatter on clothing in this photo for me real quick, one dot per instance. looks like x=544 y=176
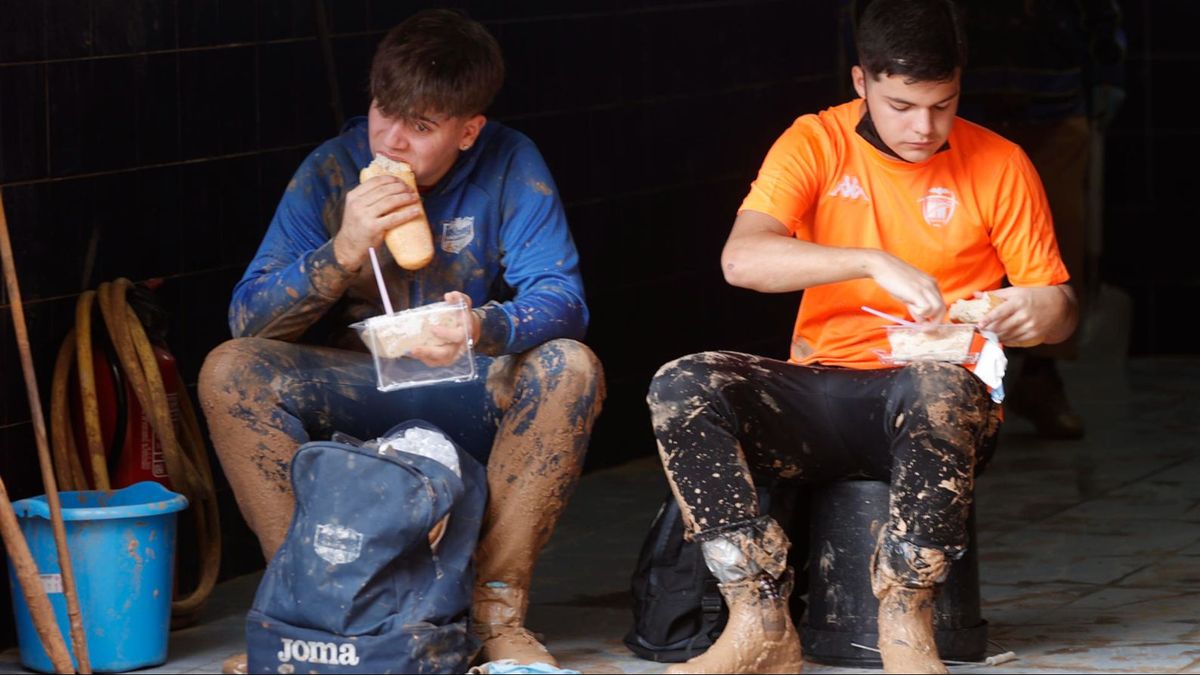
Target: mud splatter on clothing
x=519 y=266
x=531 y=418
x=722 y=417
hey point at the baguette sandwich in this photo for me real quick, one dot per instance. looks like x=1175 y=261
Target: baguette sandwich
x=410 y=243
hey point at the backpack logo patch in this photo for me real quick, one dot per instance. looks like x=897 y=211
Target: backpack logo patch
x=938 y=206
x=337 y=544
x=849 y=188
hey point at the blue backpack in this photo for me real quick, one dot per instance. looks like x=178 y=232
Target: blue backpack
x=356 y=586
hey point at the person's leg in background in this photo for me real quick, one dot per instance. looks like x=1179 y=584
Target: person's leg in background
x=1059 y=151
x=718 y=416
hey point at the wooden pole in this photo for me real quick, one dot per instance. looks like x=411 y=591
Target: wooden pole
x=36 y=599
x=54 y=645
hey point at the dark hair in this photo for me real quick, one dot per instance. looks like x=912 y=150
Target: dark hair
x=920 y=40
x=436 y=60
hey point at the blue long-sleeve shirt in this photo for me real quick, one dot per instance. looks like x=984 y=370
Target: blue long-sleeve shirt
x=500 y=236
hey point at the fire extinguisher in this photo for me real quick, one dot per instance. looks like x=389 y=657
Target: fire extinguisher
x=134 y=451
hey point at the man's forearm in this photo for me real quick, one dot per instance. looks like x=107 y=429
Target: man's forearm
x=537 y=316
x=284 y=303
x=1065 y=312
x=769 y=263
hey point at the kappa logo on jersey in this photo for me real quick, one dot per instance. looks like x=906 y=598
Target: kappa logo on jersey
x=938 y=206
x=849 y=188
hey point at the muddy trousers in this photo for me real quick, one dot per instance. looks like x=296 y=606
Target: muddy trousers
x=528 y=416
x=722 y=417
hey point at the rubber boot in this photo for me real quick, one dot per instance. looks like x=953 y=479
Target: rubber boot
x=498 y=618
x=759 y=636
x=906 y=640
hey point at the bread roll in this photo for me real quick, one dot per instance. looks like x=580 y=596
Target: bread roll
x=410 y=243
x=973 y=311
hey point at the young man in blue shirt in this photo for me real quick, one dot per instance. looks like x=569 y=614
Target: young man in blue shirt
x=296 y=371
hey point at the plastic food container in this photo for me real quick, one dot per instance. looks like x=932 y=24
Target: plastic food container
x=947 y=342
x=392 y=339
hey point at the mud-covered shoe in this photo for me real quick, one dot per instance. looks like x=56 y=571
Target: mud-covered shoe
x=758 y=637
x=515 y=643
x=906 y=641
x=498 y=620
x=235 y=664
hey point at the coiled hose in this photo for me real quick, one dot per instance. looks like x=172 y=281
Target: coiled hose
x=185 y=454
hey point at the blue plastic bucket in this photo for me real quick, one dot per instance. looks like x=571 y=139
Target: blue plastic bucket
x=122 y=545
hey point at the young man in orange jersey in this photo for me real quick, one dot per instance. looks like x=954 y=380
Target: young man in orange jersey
x=887 y=201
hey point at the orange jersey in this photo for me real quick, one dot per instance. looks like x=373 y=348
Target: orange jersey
x=968 y=216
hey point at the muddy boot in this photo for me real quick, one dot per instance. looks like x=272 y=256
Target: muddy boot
x=498 y=618
x=759 y=636
x=750 y=562
x=906 y=641
x=235 y=665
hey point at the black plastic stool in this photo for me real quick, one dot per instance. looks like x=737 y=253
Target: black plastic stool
x=841 y=608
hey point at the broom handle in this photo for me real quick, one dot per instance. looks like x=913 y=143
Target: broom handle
x=31 y=586
x=8 y=518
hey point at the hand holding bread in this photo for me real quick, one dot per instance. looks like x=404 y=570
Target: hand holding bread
x=371 y=210
x=974 y=310
x=411 y=241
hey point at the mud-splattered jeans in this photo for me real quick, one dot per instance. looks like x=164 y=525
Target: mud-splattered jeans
x=722 y=416
x=528 y=416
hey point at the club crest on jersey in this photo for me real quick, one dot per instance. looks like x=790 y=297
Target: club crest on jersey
x=938 y=206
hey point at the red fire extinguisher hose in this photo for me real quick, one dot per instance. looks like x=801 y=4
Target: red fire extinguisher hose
x=185 y=453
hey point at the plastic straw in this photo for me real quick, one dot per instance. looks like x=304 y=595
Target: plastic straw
x=889 y=317
x=387 y=303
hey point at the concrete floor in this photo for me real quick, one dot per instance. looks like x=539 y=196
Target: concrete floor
x=1089 y=550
